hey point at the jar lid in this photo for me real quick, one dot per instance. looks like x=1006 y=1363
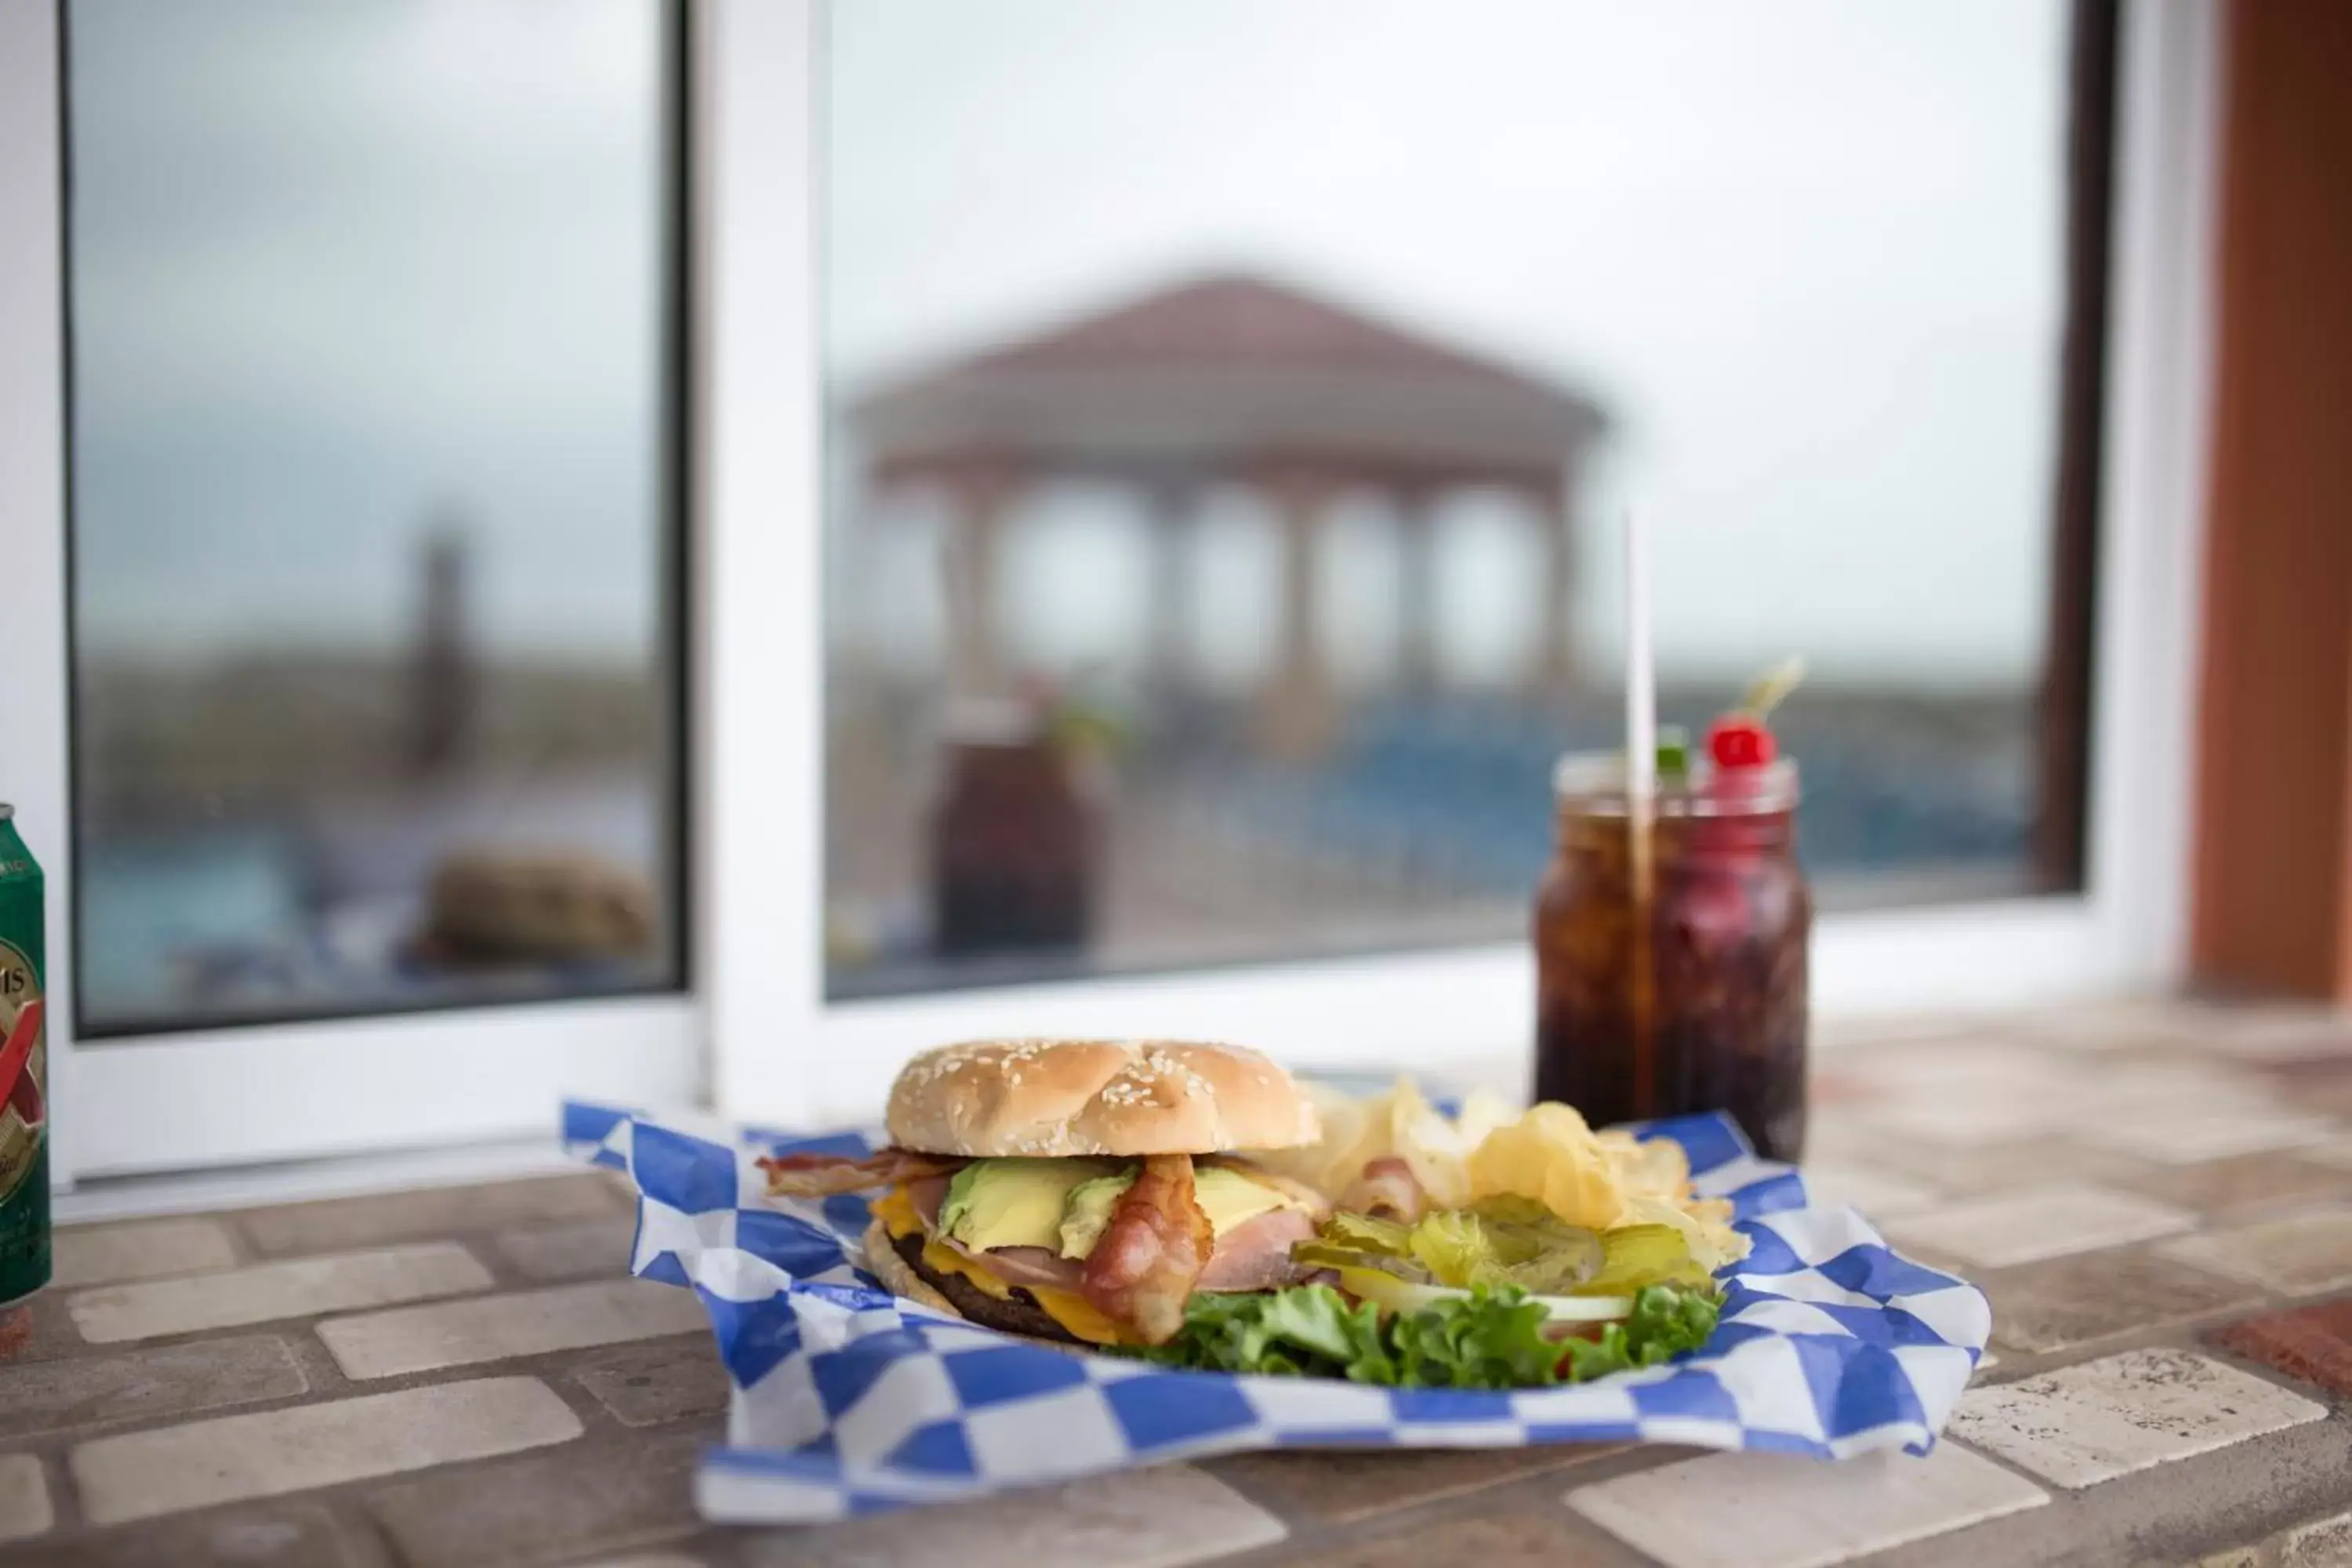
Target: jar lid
x=1593 y=783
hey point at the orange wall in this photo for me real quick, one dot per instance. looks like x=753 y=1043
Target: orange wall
x=2273 y=857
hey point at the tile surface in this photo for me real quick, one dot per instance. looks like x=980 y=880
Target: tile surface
x=2312 y=1344
x=1520 y=1534
x=2322 y=1543
x=1961 y=1123
x=2201 y=1131
x=494 y=1328
x=2324 y=1087
x=2294 y=1256
x=2335 y=1154
x=264 y=1292
x=1140 y=1518
x=1781 y=1510
x=146 y=1384
x=2249 y=1183
x=247 y=1443
x=574 y=1250
x=24 y=1497
x=2038 y=1223
x=2106 y=1418
x=1342 y=1484
x=1966 y=1173
x=229 y=1458
x=2073 y=1300
x=553 y=1505
x=653 y=1383
x=147 y=1249
x=2275 y=1034
x=339 y=1223
x=1878 y=1194
x=258 y=1535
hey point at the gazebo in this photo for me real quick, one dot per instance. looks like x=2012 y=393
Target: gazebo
x=1229 y=380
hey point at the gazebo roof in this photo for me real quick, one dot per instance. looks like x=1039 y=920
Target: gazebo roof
x=1229 y=370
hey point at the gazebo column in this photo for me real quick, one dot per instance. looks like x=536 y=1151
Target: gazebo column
x=1298 y=717
x=1416 y=608
x=1553 y=666
x=982 y=497
x=1169 y=506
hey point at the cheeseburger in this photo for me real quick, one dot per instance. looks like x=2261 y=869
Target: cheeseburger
x=1078 y=1189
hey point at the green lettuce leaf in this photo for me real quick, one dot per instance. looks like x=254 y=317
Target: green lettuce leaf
x=1492 y=1338
x=1667 y=1321
x=1307 y=1331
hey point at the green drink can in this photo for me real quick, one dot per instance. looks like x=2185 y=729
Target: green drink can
x=24 y=1074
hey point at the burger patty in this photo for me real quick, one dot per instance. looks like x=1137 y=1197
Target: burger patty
x=1019 y=1314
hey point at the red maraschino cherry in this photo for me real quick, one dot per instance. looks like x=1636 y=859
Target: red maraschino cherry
x=1740 y=740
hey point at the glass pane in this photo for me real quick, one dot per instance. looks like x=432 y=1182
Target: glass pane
x=1272 y=379
x=374 y=611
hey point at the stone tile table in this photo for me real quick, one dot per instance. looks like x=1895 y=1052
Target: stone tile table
x=2158 y=1198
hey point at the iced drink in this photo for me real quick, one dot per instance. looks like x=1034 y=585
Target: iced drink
x=1013 y=844
x=1708 y=1012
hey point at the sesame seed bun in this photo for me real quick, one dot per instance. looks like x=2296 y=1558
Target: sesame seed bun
x=1053 y=1098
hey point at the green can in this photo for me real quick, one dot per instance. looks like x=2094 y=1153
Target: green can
x=24 y=1074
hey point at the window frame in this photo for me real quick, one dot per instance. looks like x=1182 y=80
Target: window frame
x=270 y=1092
x=784 y=1053
x=754 y=1034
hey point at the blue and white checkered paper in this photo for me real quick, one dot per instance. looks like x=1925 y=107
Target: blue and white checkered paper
x=847 y=1400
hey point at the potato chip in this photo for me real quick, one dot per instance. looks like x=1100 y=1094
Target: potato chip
x=1658 y=1167
x=1402 y=1124
x=1550 y=1154
x=1429 y=1144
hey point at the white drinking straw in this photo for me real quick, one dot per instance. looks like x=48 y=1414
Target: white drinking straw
x=1641 y=802
x=1641 y=674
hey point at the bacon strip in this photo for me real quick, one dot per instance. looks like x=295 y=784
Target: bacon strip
x=821 y=1175
x=1151 y=1254
x=1388 y=1189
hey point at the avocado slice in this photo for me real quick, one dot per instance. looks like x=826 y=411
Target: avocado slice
x=1228 y=1198
x=1015 y=1202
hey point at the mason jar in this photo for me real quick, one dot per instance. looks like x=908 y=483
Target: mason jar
x=1014 y=840
x=1716 y=998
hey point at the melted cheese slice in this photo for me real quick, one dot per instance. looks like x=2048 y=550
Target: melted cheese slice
x=896 y=1212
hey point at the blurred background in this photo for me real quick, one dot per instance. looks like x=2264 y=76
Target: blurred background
x=374 y=614
x=1228 y=412
x=1232 y=411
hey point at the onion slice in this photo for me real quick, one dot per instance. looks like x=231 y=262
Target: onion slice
x=1385 y=1289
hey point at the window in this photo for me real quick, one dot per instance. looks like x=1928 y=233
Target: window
x=1229 y=410
x=376 y=602
x=1904 y=214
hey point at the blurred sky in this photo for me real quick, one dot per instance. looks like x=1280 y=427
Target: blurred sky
x=339 y=266
x=1808 y=252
